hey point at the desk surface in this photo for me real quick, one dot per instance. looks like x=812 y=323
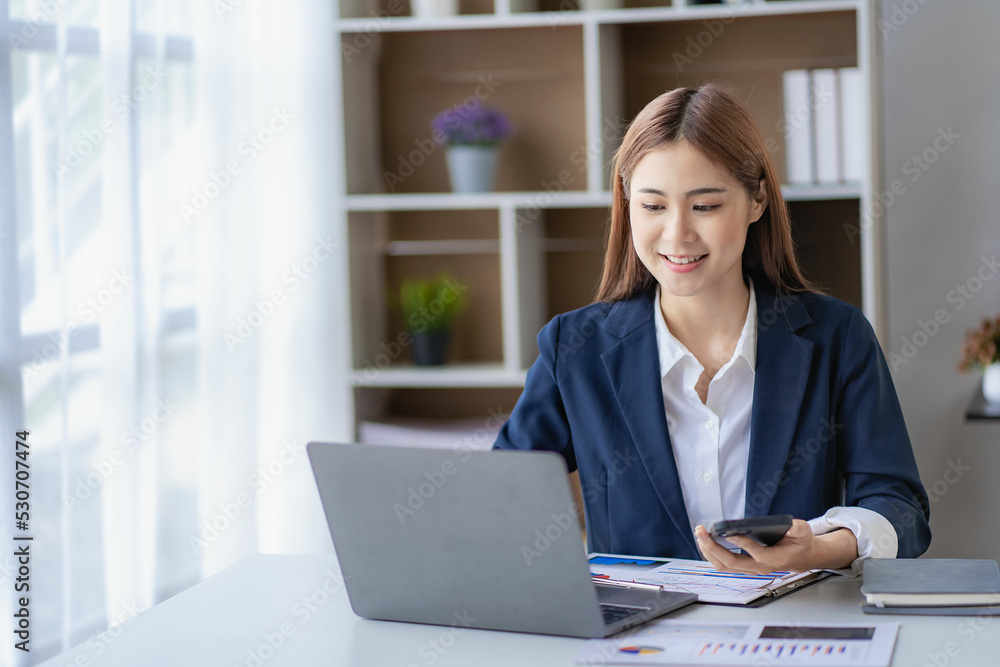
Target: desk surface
x=298 y=605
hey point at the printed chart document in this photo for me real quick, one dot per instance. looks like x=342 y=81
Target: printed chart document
x=678 y=642
x=696 y=576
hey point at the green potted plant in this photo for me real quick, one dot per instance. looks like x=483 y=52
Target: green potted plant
x=981 y=349
x=429 y=308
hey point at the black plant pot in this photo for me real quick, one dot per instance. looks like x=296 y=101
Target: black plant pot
x=430 y=348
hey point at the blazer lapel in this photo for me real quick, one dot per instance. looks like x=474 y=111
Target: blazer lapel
x=634 y=372
x=782 y=371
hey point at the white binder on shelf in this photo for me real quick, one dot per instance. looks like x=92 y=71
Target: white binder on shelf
x=797 y=127
x=826 y=125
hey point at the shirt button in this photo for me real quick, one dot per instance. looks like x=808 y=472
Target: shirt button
x=707 y=477
x=709 y=425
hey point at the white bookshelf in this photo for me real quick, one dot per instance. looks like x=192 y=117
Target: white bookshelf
x=570 y=79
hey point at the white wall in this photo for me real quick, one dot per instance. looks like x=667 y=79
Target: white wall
x=942 y=70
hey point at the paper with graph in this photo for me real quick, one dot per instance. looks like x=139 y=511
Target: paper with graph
x=696 y=576
x=679 y=642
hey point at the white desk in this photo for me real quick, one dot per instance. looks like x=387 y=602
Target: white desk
x=300 y=603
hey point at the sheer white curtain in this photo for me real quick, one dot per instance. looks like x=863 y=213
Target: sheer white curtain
x=271 y=307
x=173 y=318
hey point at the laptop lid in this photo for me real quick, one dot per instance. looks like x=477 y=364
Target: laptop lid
x=485 y=539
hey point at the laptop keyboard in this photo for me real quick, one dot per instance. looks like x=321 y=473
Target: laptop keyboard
x=616 y=612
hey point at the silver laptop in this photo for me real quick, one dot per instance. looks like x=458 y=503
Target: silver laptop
x=481 y=539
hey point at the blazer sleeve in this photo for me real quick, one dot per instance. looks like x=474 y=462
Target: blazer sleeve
x=539 y=421
x=873 y=448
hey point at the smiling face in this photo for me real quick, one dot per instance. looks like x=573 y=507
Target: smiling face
x=689 y=220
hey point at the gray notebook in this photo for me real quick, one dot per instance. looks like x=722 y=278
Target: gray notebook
x=931 y=582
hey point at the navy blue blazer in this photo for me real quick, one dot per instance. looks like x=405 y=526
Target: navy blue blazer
x=826 y=425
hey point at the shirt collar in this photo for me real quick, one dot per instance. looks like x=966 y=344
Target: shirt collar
x=672 y=350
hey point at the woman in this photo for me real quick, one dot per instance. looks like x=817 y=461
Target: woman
x=709 y=380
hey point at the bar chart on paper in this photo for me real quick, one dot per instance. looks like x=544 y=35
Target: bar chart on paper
x=675 y=642
x=815 y=653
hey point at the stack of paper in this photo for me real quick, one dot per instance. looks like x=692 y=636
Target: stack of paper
x=824 y=125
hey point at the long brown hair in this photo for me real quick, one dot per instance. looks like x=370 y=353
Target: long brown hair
x=714 y=122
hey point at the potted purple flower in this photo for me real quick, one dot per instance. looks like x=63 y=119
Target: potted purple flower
x=472 y=137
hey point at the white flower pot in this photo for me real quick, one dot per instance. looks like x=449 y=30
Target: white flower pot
x=991 y=383
x=471 y=168
x=433 y=8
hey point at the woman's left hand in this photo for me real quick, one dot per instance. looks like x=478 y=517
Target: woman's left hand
x=797 y=551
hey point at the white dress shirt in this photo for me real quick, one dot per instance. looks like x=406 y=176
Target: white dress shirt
x=711 y=440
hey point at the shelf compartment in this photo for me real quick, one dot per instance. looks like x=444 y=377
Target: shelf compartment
x=416 y=75
x=422 y=236
x=453 y=417
x=827 y=254
x=560 y=254
x=659 y=57
x=574 y=245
